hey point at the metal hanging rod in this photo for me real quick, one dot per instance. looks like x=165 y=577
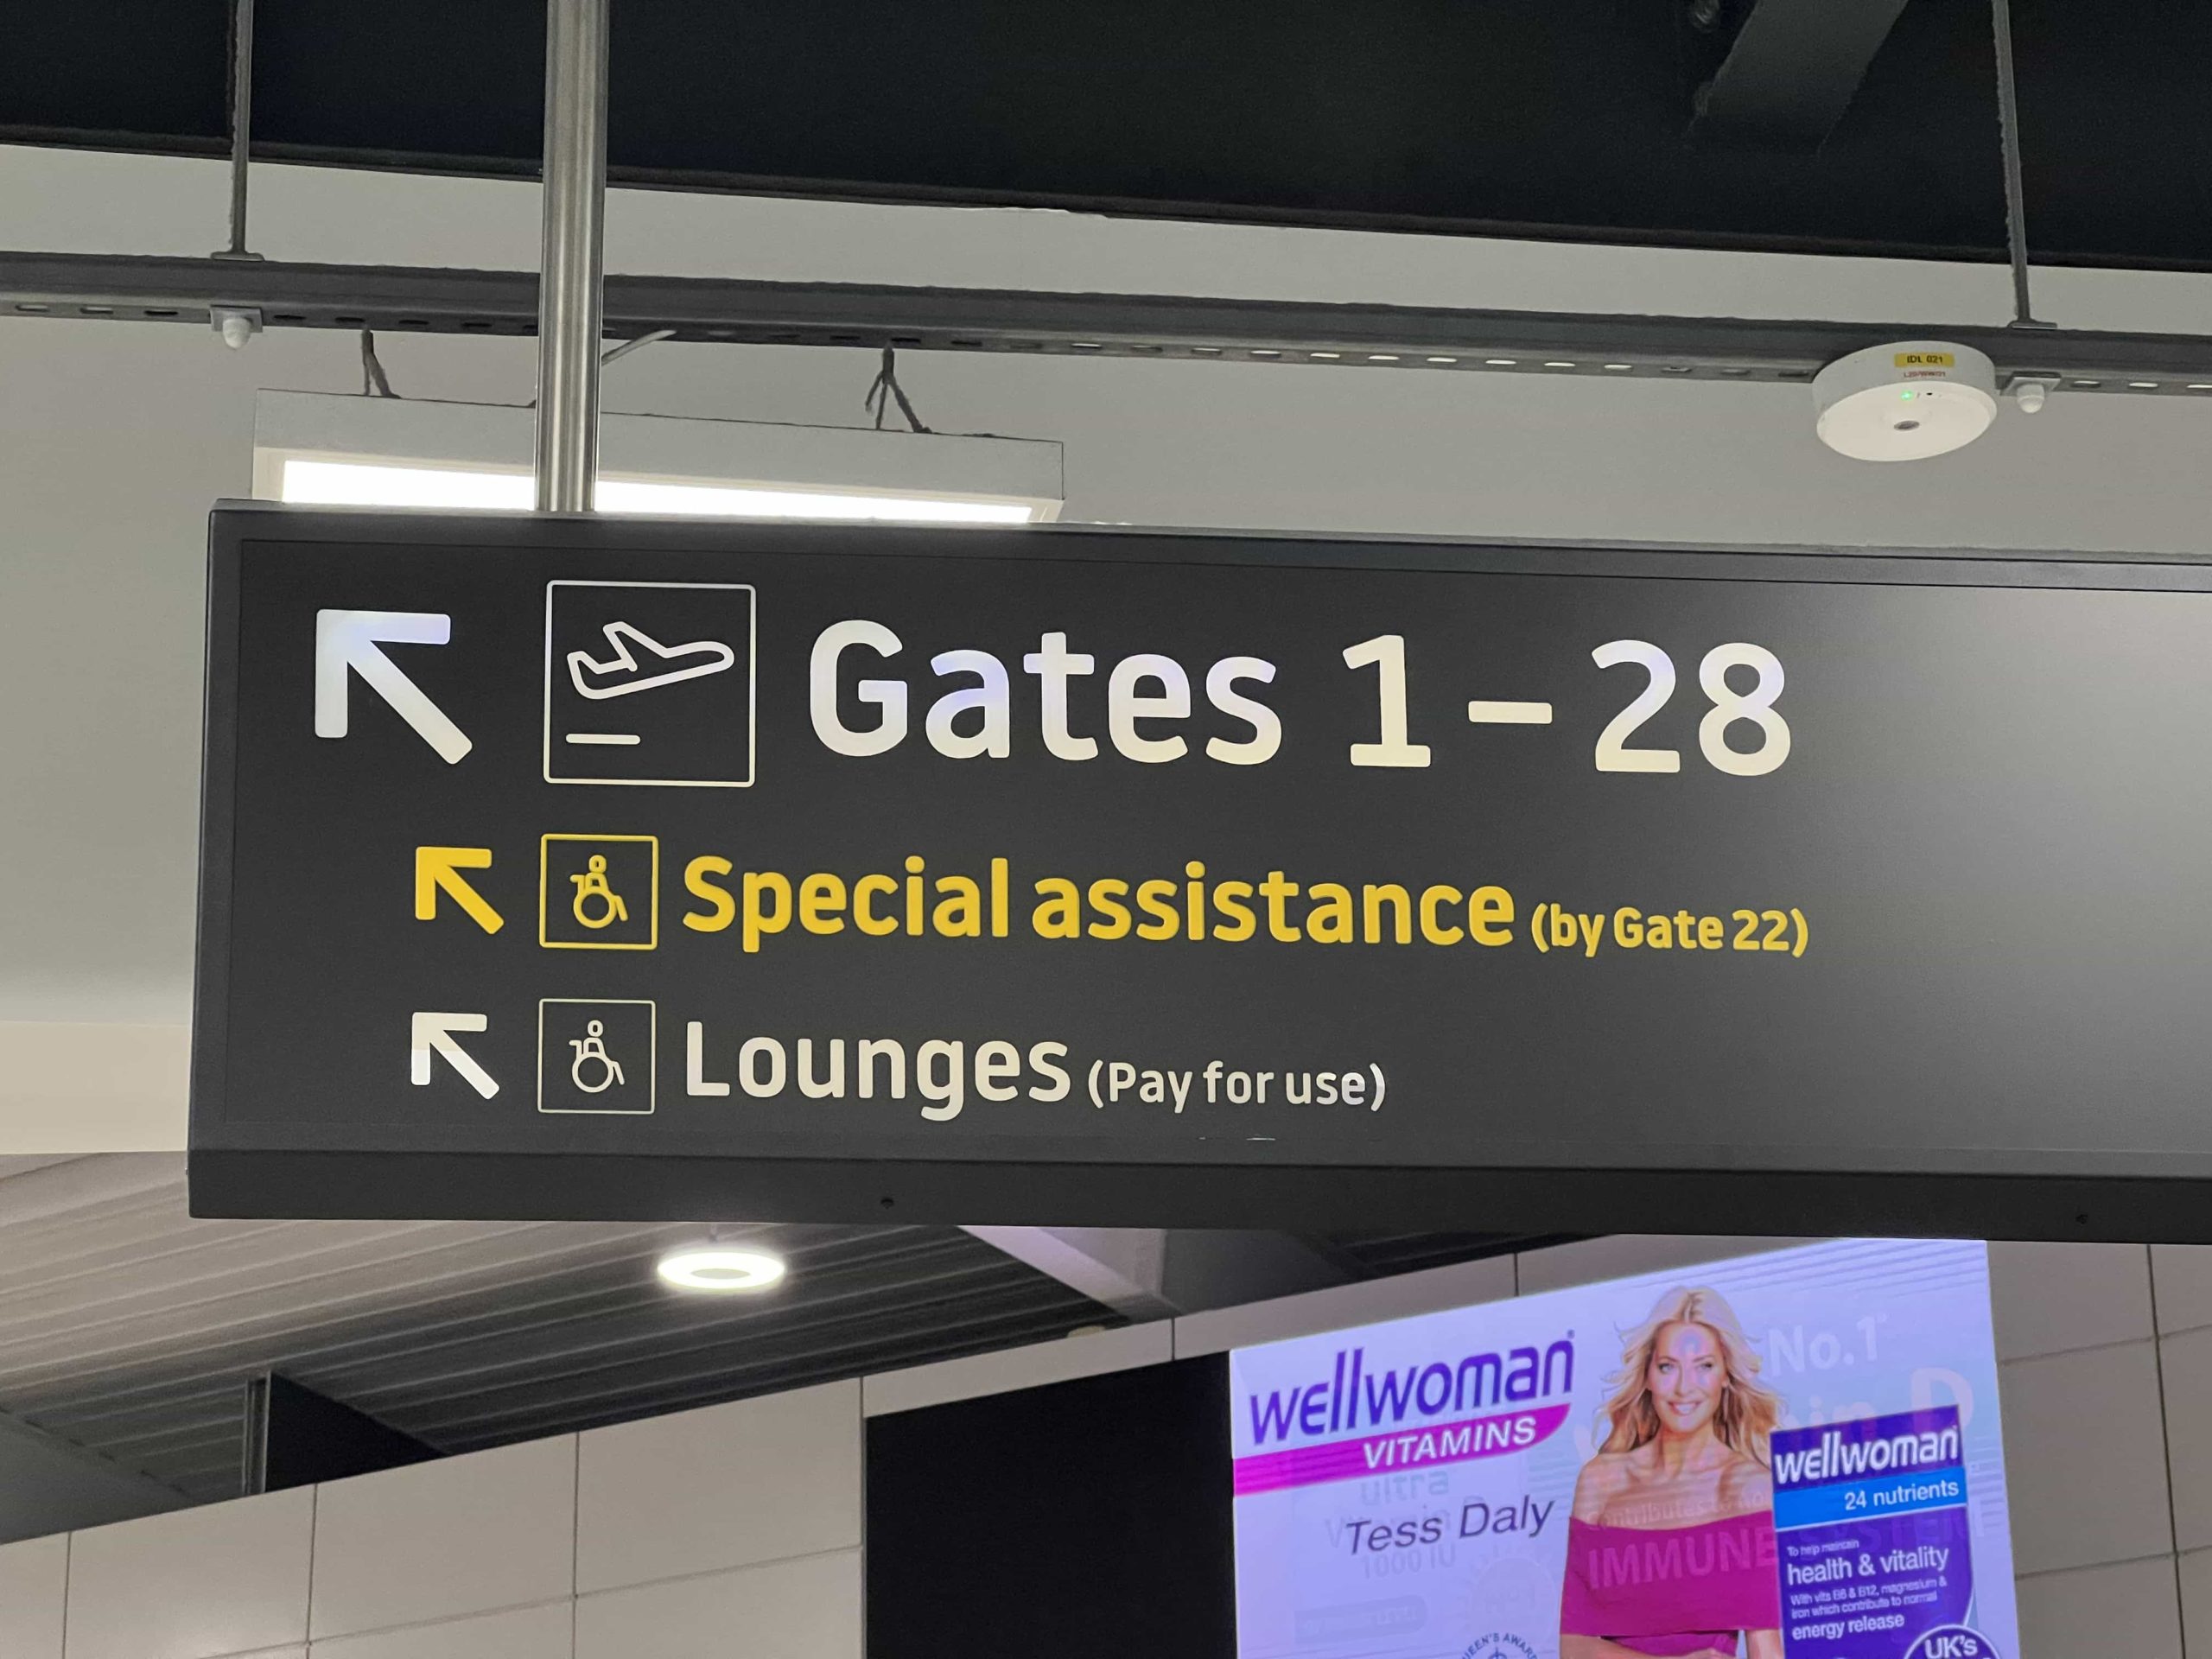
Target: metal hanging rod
x=2008 y=137
x=241 y=125
x=574 y=230
x=404 y=300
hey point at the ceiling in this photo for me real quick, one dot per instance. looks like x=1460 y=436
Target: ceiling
x=1875 y=124
x=128 y=1328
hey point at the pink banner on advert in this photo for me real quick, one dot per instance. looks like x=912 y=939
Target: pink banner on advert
x=1404 y=1448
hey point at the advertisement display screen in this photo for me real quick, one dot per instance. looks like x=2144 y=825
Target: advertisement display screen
x=1790 y=1456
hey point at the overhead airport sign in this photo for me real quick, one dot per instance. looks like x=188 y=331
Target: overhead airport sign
x=602 y=868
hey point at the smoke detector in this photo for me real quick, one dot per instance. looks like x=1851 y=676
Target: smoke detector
x=1905 y=401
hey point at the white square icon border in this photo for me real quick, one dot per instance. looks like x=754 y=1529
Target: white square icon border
x=652 y=1061
x=752 y=688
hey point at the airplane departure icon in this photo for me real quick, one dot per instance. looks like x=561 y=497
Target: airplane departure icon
x=619 y=674
x=604 y=643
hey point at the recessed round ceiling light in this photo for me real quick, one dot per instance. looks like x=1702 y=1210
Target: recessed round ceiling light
x=717 y=1268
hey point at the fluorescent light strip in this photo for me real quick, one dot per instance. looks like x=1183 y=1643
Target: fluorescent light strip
x=366 y=484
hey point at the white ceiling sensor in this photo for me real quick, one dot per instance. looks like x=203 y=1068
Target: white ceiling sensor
x=1905 y=401
x=329 y=450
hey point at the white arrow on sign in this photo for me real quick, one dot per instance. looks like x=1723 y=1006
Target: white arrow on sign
x=435 y=1031
x=348 y=639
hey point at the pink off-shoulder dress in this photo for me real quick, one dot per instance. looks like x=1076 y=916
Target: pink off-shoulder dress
x=1670 y=1591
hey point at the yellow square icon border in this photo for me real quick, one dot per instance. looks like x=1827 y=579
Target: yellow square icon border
x=545 y=855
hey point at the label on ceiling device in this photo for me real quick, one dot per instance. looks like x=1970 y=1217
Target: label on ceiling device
x=1926 y=359
x=607 y=868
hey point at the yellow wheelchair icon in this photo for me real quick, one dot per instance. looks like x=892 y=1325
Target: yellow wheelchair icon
x=592 y=886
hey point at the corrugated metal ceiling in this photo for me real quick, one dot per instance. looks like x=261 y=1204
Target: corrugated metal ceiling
x=129 y=1329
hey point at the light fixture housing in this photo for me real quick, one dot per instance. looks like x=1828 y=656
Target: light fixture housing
x=329 y=450
x=720 y=1268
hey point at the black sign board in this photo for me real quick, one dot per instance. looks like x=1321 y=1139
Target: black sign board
x=621 y=868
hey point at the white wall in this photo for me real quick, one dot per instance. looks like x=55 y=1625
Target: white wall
x=733 y=1529
x=738 y=1529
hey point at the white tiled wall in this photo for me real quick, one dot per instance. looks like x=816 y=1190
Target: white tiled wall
x=437 y=1540
x=805 y=1608
x=545 y=1631
x=231 y=1578
x=2125 y=1607
x=2196 y=1595
x=2087 y=1452
x=730 y=1486
x=738 y=1529
x=733 y=1529
x=2187 y=1357
x=2055 y=1299
x=34 y=1588
x=2085 y=1458
x=2181 y=1278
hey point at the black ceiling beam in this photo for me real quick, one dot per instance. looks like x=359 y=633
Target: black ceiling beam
x=298 y=1436
x=409 y=300
x=1793 y=70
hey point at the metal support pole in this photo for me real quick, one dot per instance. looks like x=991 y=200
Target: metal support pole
x=2008 y=133
x=241 y=124
x=569 y=297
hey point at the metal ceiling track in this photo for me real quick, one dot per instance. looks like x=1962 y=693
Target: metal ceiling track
x=411 y=300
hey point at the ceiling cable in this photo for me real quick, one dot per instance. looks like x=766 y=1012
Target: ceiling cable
x=623 y=350
x=629 y=345
x=885 y=387
x=2008 y=127
x=373 y=383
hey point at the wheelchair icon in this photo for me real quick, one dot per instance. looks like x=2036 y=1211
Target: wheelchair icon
x=591 y=1051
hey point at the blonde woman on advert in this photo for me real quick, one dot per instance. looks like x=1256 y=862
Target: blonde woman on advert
x=1670 y=1546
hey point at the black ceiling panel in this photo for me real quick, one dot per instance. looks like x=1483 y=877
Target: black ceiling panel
x=116 y=70
x=447 y=82
x=1569 y=118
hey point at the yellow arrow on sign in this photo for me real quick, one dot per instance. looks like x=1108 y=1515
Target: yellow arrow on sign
x=441 y=866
